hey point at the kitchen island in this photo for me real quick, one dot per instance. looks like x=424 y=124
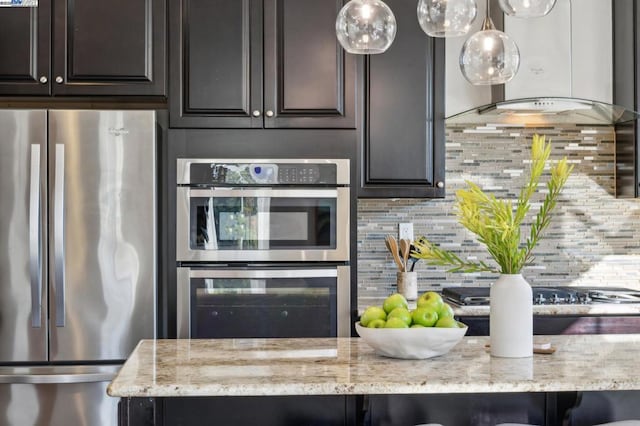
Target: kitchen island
x=336 y=367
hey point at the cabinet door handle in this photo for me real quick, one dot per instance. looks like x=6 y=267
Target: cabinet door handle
x=440 y=184
x=256 y=113
x=59 y=80
x=269 y=113
x=44 y=79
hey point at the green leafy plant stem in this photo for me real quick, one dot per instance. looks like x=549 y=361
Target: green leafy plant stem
x=496 y=223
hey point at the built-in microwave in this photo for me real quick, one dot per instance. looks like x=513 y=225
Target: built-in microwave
x=262 y=210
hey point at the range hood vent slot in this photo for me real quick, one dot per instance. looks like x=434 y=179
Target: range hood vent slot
x=546 y=111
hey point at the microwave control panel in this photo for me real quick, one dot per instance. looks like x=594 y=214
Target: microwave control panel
x=262 y=174
x=299 y=173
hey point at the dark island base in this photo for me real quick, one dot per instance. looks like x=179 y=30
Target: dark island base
x=549 y=409
x=246 y=411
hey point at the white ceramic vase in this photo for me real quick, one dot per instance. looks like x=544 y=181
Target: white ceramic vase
x=511 y=317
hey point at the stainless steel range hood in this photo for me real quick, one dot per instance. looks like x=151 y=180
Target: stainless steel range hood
x=565 y=74
x=545 y=111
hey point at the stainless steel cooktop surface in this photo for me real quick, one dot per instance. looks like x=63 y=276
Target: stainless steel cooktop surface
x=548 y=295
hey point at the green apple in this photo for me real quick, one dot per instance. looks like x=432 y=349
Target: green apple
x=417 y=326
x=425 y=316
x=396 y=300
x=430 y=298
x=372 y=313
x=447 y=323
x=402 y=313
x=446 y=311
x=377 y=323
x=395 y=323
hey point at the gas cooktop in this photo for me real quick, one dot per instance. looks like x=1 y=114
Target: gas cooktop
x=548 y=295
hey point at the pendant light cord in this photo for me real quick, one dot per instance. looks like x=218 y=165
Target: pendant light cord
x=488 y=23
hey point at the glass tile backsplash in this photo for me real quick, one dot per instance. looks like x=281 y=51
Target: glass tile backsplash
x=593 y=239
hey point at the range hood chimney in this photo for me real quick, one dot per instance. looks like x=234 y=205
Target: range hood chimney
x=565 y=74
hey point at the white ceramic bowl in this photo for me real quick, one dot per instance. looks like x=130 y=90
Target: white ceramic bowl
x=411 y=343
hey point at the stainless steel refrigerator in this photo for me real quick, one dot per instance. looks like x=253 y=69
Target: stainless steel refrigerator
x=77 y=259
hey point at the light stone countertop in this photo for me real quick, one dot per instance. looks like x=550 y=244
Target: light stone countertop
x=348 y=366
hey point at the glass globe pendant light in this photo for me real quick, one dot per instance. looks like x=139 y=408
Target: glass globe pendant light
x=446 y=18
x=365 y=27
x=489 y=56
x=527 y=8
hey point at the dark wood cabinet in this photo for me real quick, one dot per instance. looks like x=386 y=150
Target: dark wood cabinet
x=83 y=47
x=626 y=93
x=402 y=150
x=259 y=64
x=25 y=34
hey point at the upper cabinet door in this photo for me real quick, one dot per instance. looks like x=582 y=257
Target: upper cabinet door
x=223 y=50
x=216 y=63
x=24 y=49
x=114 y=47
x=309 y=79
x=403 y=147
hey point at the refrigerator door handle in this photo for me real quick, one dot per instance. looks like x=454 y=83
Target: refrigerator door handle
x=58 y=205
x=35 y=242
x=36 y=379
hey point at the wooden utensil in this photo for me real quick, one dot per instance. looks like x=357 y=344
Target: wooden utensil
x=392 y=245
x=405 y=249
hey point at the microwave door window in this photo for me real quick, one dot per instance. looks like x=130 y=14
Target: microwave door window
x=203 y=234
x=212 y=239
x=263 y=223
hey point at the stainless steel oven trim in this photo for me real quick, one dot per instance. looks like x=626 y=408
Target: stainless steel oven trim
x=262 y=273
x=279 y=193
x=185 y=254
x=343 y=308
x=183 y=302
x=184 y=164
x=343 y=290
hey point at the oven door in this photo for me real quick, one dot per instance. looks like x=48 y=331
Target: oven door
x=229 y=225
x=270 y=302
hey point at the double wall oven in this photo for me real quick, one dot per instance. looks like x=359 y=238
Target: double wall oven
x=262 y=248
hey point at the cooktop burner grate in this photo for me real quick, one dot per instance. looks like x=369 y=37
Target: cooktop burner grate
x=548 y=295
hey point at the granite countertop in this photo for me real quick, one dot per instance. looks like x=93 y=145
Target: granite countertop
x=348 y=366
x=593 y=309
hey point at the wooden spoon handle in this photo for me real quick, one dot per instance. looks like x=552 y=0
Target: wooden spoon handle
x=393 y=247
x=405 y=248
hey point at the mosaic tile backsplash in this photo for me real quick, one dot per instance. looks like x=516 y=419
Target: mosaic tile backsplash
x=593 y=239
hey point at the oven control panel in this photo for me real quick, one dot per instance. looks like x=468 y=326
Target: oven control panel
x=290 y=174
x=299 y=173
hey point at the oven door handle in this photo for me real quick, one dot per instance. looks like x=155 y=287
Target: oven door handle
x=262 y=193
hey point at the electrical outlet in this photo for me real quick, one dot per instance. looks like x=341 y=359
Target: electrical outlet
x=405 y=230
